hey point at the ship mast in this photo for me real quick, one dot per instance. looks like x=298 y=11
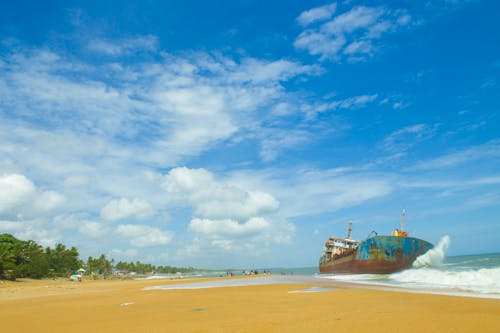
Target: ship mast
x=349 y=229
x=403 y=219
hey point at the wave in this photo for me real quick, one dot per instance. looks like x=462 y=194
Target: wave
x=435 y=256
x=485 y=280
x=432 y=273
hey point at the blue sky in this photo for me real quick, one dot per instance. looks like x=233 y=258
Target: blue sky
x=244 y=133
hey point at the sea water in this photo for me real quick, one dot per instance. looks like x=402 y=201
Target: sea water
x=434 y=272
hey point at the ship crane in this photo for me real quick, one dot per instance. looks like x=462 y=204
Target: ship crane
x=349 y=230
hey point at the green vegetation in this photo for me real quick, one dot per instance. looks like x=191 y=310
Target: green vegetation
x=141 y=268
x=20 y=258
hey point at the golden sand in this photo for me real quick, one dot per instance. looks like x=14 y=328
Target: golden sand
x=123 y=306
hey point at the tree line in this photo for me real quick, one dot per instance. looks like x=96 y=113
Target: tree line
x=27 y=259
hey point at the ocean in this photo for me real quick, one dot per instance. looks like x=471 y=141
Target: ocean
x=433 y=272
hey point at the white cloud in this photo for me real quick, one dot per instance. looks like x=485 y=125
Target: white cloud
x=261 y=71
x=404 y=19
x=484 y=151
x=275 y=141
x=354 y=102
x=255 y=235
x=47 y=201
x=93 y=229
x=231 y=228
x=320 y=44
x=75 y=181
x=124 y=208
x=15 y=189
x=164 y=110
x=326 y=193
x=129 y=253
x=11 y=226
x=144 y=236
x=350 y=35
x=357 y=18
x=185 y=180
x=213 y=200
x=225 y=214
x=405 y=138
x=451 y=184
x=320 y=190
x=125 y=46
x=35 y=230
x=317 y=14
x=19 y=196
x=359 y=47
x=175 y=106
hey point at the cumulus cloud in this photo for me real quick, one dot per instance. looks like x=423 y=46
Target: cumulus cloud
x=47 y=201
x=14 y=190
x=349 y=35
x=124 y=208
x=93 y=229
x=214 y=228
x=320 y=190
x=227 y=217
x=185 y=180
x=164 y=108
x=32 y=229
x=214 y=200
x=19 y=196
x=144 y=236
x=255 y=235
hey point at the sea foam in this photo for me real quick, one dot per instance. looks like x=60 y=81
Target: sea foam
x=482 y=281
x=435 y=256
x=432 y=272
x=429 y=272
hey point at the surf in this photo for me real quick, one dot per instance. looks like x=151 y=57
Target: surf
x=434 y=272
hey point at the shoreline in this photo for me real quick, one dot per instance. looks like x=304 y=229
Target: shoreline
x=324 y=280
x=195 y=283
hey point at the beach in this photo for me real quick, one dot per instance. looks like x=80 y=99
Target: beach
x=129 y=306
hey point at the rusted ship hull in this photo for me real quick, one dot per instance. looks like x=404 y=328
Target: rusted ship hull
x=377 y=255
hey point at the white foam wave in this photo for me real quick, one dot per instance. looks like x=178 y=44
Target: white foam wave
x=353 y=277
x=435 y=256
x=430 y=274
x=486 y=280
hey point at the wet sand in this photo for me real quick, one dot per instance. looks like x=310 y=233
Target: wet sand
x=126 y=306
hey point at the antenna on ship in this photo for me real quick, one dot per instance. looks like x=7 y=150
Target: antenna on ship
x=349 y=229
x=403 y=219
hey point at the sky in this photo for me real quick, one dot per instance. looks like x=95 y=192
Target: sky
x=243 y=133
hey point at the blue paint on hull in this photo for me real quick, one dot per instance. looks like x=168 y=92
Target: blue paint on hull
x=392 y=248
